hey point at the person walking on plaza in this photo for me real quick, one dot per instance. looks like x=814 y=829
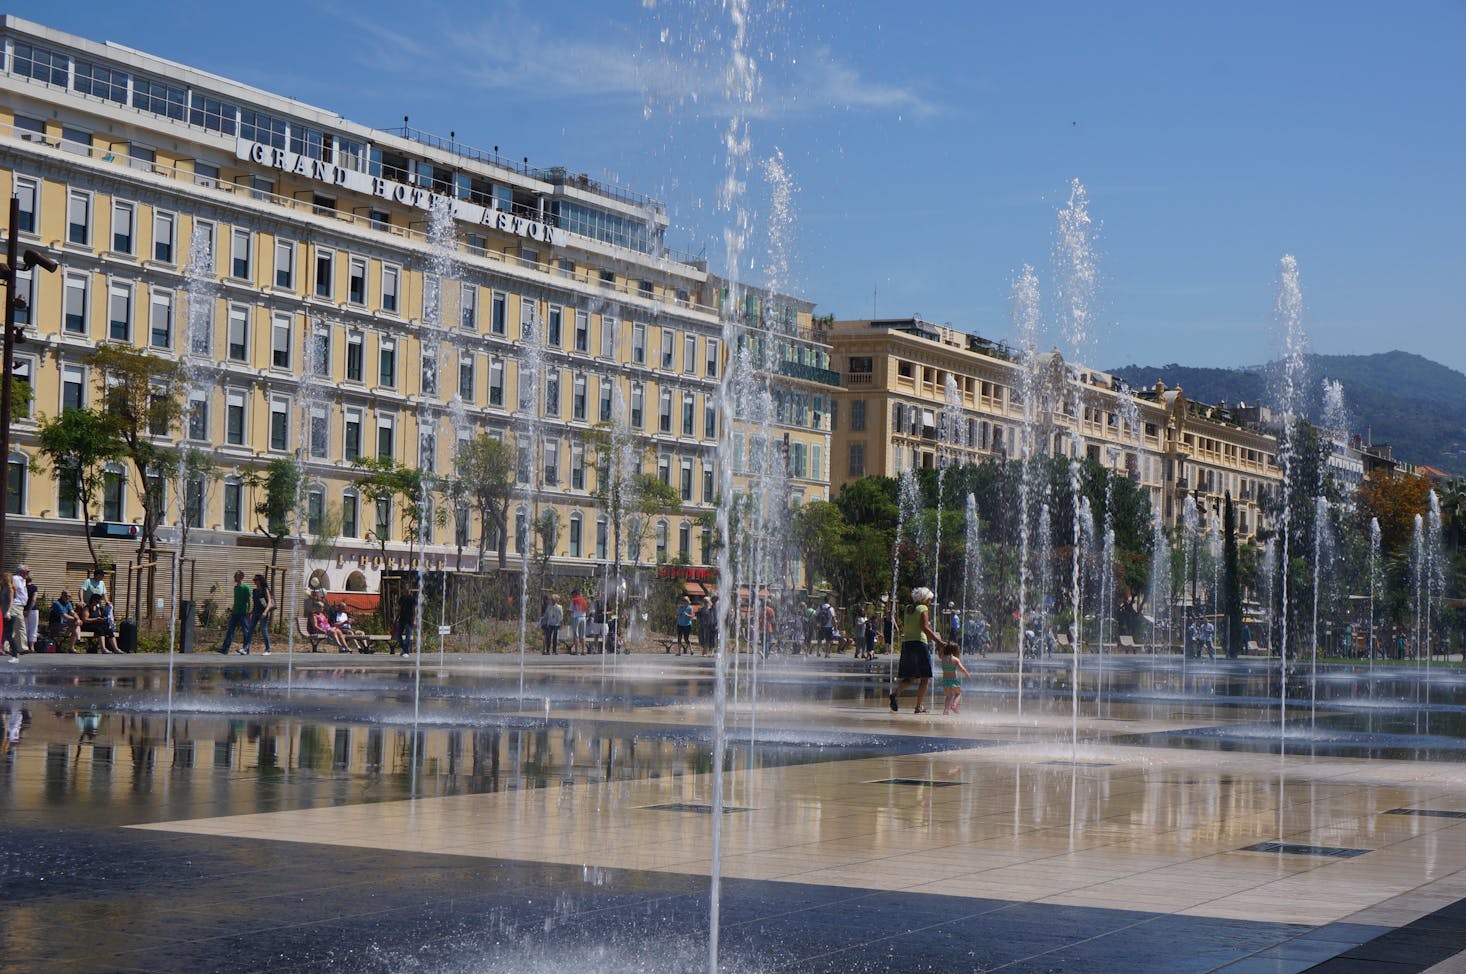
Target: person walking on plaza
x=7 y=589
x=951 y=682
x=579 y=612
x=262 y=607
x=684 y=626
x=238 y=614
x=917 y=638
x=15 y=611
x=32 y=607
x=406 y=626
x=550 y=622
x=824 y=621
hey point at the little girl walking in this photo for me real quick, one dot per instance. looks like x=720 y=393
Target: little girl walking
x=951 y=683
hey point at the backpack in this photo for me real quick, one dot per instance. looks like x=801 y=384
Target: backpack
x=825 y=616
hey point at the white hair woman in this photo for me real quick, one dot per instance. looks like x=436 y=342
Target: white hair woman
x=917 y=639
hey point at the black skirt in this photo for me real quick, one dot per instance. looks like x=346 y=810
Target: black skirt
x=916 y=661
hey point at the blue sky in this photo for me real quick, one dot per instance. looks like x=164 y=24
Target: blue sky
x=932 y=142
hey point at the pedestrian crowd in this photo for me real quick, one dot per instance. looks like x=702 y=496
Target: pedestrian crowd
x=67 y=623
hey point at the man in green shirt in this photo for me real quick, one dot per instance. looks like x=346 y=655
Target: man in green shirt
x=239 y=614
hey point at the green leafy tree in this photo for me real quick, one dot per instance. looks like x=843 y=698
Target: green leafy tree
x=484 y=482
x=389 y=481
x=78 y=445
x=820 y=531
x=277 y=492
x=142 y=397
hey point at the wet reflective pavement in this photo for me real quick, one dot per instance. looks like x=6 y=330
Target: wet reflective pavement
x=315 y=814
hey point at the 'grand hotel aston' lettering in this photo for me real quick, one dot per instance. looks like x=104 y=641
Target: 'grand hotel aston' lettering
x=387 y=189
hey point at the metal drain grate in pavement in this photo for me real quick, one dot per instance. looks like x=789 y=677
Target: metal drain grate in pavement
x=1077 y=764
x=1427 y=812
x=1293 y=849
x=692 y=807
x=917 y=781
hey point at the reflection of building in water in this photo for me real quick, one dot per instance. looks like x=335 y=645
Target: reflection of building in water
x=892 y=416
x=286 y=253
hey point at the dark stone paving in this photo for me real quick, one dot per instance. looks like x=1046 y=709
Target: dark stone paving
x=95 y=900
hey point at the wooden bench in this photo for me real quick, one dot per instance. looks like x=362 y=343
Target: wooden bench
x=1127 y=643
x=361 y=642
x=1254 y=649
x=1061 y=641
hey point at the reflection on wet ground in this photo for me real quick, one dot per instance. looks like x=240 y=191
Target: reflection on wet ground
x=1165 y=770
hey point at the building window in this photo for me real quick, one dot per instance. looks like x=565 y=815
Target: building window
x=638 y=344
x=238 y=337
x=608 y=336
x=350 y=508
x=496 y=382
x=684 y=541
x=27 y=190
x=664 y=469
x=713 y=347
x=113 y=482
x=387 y=363
x=575 y=536
x=669 y=339
x=582 y=331
x=234 y=418
x=386 y=429
x=498 y=312
x=428 y=384
x=319 y=352
x=689 y=354
x=25 y=295
x=24 y=371
x=233 y=505
x=686 y=479
x=552 y=392
x=325 y=273
x=709 y=419
x=356 y=274
x=661 y=535
x=527 y=310
x=279 y=424
x=636 y=405
x=73 y=387
x=320 y=433
x=79 y=217
x=390 y=277
x=351 y=438
x=163 y=230
x=198 y=416
x=354 y=357
x=554 y=326
x=607 y=384
x=240 y=242
x=664 y=411
x=285 y=264
x=857 y=415
x=577 y=397
x=468 y=306
x=602 y=537
x=577 y=466
x=688 y=414
x=709 y=482
x=466 y=375
x=857 y=459
x=161 y=99
x=280 y=341
x=160 y=321
x=74 y=304
x=123 y=214
x=552 y=461
x=315 y=509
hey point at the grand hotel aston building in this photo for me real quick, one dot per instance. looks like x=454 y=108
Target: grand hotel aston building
x=328 y=327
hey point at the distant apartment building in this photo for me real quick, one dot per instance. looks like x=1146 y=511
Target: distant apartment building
x=905 y=382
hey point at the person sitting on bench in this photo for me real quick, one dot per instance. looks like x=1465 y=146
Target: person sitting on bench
x=321 y=625
x=63 y=620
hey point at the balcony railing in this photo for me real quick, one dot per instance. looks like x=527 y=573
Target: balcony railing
x=809 y=373
x=858 y=378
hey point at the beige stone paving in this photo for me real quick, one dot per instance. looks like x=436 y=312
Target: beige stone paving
x=1156 y=829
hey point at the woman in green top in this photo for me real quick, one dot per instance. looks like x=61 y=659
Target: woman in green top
x=917 y=639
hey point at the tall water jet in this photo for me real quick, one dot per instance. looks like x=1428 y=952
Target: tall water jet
x=1190 y=550
x=1320 y=552
x=1160 y=578
x=971 y=573
x=526 y=446
x=1288 y=311
x=1027 y=319
x=949 y=439
x=1374 y=584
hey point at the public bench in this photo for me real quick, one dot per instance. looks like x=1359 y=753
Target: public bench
x=1127 y=643
x=361 y=642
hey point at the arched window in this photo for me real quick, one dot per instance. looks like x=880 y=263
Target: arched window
x=356 y=582
x=684 y=541
x=661 y=541
x=318 y=580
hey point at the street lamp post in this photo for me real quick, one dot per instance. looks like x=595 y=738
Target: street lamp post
x=13 y=261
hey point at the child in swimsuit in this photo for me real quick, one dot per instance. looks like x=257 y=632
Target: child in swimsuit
x=951 y=682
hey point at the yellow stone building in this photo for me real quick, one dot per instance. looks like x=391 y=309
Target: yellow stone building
x=291 y=258
x=901 y=375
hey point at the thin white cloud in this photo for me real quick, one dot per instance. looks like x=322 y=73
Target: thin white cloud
x=511 y=52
